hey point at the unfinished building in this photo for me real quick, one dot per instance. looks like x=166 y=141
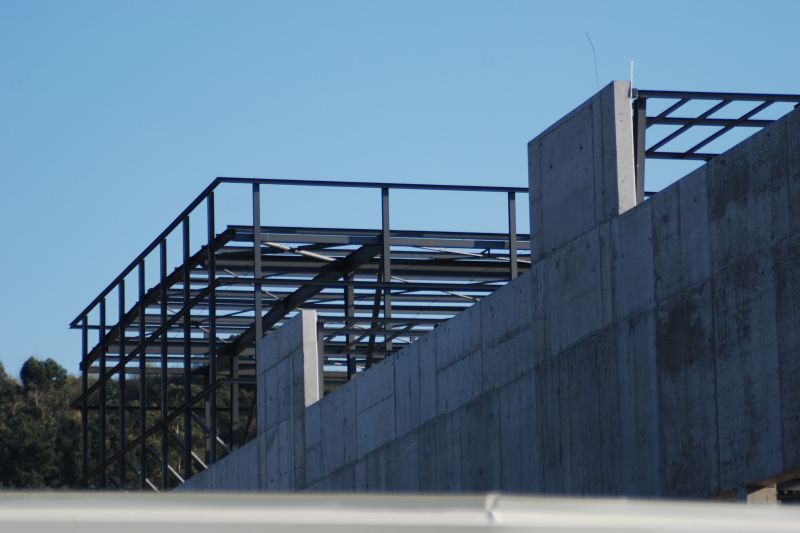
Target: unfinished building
x=638 y=343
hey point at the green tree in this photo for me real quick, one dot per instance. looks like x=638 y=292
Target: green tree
x=39 y=432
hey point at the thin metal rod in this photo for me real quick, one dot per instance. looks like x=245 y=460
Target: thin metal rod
x=349 y=313
x=123 y=400
x=257 y=295
x=163 y=368
x=699 y=95
x=187 y=354
x=512 y=236
x=376 y=303
x=639 y=144
x=85 y=399
x=102 y=436
x=257 y=272
x=386 y=258
x=372 y=185
x=212 y=330
x=142 y=381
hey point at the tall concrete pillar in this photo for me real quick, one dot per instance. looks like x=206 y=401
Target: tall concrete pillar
x=581 y=170
x=289 y=370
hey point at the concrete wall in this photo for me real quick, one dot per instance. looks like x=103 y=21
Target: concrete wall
x=651 y=351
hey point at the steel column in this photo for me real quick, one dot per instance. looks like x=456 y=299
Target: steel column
x=164 y=347
x=187 y=354
x=349 y=313
x=142 y=380
x=123 y=400
x=84 y=399
x=639 y=146
x=512 y=235
x=257 y=272
x=102 y=335
x=386 y=259
x=212 y=330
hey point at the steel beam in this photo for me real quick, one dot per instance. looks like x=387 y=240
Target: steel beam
x=639 y=144
x=102 y=436
x=163 y=366
x=187 y=352
x=212 y=328
x=123 y=400
x=512 y=236
x=142 y=379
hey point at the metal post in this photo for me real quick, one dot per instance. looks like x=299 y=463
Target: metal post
x=386 y=261
x=164 y=360
x=142 y=381
x=84 y=400
x=639 y=146
x=349 y=313
x=257 y=272
x=122 y=392
x=102 y=335
x=376 y=302
x=187 y=355
x=512 y=235
x=212 y=329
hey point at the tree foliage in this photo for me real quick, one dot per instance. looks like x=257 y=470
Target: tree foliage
x=39 y=431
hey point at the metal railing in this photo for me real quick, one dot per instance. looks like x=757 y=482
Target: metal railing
x=687 y=124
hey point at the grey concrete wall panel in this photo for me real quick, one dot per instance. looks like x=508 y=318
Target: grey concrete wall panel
x=313 y=444
x=480 y=445
x=638 y=405
x=440 y=458
x=459 y=383
x=375 y=425
x=506 y=334
x=428 y=389
x=687 y=394
x=237 y=471
x=634 y=281
x=574 y=291
x=407 y=398
x=793 y=170
x=519 y=459
x=338 y=422
x=375 y=386
x=458 y=338
x=748 y=196
x=787 y=294
x=748 y=392
x=402 y=461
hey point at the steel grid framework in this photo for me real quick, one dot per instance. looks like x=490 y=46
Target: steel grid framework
x=192 y=333
x=690 y=122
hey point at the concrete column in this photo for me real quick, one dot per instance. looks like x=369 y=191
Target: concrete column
x=581 y=170
x=288 y=365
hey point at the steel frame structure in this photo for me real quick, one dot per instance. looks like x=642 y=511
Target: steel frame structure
x=684 y=124
x=375 y=290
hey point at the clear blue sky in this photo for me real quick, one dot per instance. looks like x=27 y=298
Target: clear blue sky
x=108 y=106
